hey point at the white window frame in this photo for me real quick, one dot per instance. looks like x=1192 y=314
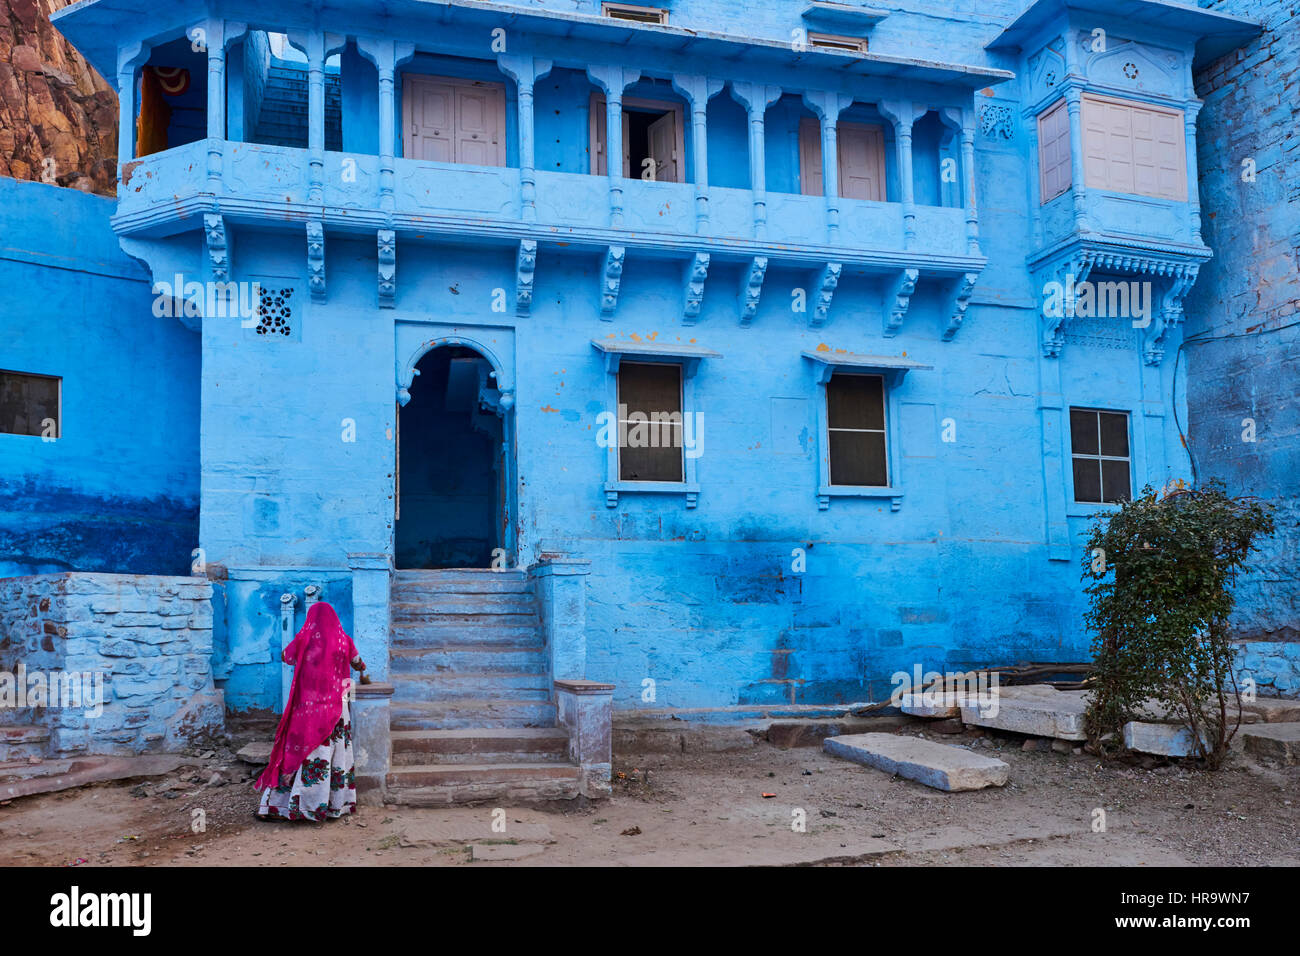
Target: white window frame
x=1075 y=507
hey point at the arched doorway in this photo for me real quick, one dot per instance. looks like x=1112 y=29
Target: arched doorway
x=452 y=472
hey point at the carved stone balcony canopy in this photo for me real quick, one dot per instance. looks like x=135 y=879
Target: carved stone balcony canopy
x=1088 y=277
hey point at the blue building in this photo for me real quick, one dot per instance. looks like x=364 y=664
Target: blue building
x=822 y=381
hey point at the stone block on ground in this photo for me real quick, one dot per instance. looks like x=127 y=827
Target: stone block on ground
x=936 y=705
x=936 y=765
x=1039 y=713
x=1279 y=742
x=1163 y=740
x=257 y=753
x=1273 y=710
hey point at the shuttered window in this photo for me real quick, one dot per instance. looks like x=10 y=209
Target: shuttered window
x=1054 y=151
x=29 y=404
x=650 y=422
x=1134 y=148
x=454 y=121
x=861 y=160
x=855 y=416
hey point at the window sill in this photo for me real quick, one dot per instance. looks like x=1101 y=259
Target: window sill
x=1089 y=509
x=826 y=492
x=614 y=488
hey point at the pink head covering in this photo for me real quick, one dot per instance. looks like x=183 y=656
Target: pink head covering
x=322 y=655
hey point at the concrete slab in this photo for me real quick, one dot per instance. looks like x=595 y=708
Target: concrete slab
x=1040 y=712
x=1164 y=740
x=1273 y=710
x=52 y=776
x=935 y=765
x=1279 y=742
x=937 y=705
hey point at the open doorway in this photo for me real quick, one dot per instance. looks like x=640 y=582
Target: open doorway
x=451 y=475
x=653 y=139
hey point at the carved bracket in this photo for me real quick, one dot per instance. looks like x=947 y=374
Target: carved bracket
x=525 y=267
x=751 y=288
x=898 y=298
x=827 y=282
x=214 y=233
x=958 y=301
x=1170 y=315
x=387 y=268
x=697 y=270
x=611 y=279
x=316 y=259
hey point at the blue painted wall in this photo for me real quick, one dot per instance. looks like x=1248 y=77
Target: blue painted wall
x=119 y=490
x=756 y=595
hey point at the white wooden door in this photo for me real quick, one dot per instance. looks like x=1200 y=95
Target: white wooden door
x=663 y=149
x=430 y=119
x=862 y=161
x=454 y=121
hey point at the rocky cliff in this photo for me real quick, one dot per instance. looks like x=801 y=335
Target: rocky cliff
x=58 y=118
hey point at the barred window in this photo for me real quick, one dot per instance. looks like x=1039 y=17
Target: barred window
x=855 y=416
x=1100 y=451
x=650 y=422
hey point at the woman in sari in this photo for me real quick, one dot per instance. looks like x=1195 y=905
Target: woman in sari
x=310 y=775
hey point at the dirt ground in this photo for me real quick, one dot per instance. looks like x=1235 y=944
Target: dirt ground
x=704 y=809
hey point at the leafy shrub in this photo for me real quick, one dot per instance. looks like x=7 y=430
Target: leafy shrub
x=1160 y=571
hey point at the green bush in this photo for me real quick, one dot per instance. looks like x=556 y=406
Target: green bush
x=1160 y=571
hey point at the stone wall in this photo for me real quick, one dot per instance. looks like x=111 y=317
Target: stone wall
x=141 y=645
x=58 y=118
x=1243 y=317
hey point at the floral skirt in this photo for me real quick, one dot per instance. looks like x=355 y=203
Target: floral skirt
x=324 y=788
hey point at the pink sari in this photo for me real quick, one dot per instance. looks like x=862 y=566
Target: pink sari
x=322 y=656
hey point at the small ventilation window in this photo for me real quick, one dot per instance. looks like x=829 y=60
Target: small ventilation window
x=275 y=312
x=625 y=11
x=831 y=41
x=30 y=404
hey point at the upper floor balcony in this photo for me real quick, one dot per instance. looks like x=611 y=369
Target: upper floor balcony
x=490 y=122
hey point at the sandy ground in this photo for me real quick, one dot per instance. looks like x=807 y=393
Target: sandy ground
x=704 y=809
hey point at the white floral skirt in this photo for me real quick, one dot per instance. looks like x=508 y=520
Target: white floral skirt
x=324 y=788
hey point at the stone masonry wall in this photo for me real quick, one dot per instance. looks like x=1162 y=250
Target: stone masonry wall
x=149 y=637
x=1243 y=317
x=58 y=118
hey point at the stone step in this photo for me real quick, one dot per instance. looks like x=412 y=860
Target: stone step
x=1276 y=741
x=459 y=603
x=935 y=765
x=448 y=784
x=447 y=687
x=484 y=616
x=22 y=741
x=419 y=584
x=449 y=715
x=1036 y=710
x=430 y=636
x=469 y=659
x=480 y=745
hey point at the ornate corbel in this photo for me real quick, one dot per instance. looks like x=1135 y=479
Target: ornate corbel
x=214 y=233
x=827 y=282
x=387 y=268
x=751 y=288
x=525 y=267
x=1170 y=315
x=697 y=270
x=960 y=299
x=898 y=298
x=1058 y=304
x=316 y=259
x=611 y=279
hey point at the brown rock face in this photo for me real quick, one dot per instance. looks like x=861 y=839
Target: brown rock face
x=58 y=118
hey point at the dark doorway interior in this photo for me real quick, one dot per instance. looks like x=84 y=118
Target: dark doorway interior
x=449 y=465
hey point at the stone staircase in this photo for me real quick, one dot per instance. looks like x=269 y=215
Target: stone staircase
x=283 y=119
x=472 y=716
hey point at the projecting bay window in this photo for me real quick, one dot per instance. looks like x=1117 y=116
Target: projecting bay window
x=31 y=404
x=1099 y=449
